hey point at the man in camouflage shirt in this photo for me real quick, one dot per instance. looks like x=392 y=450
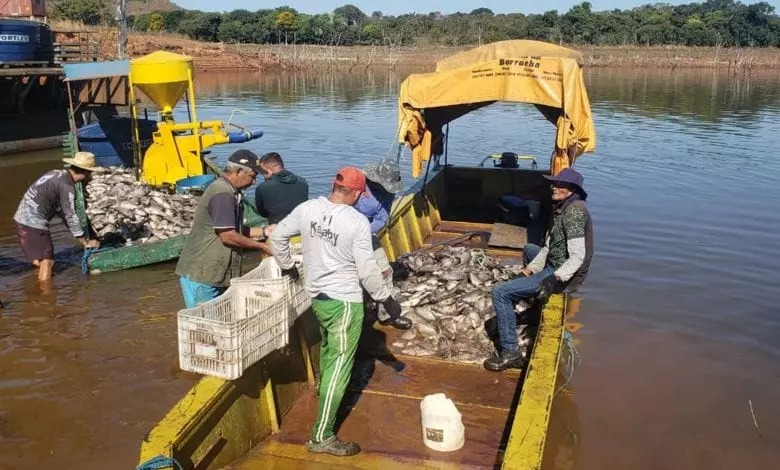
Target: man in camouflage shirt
x=562 y=262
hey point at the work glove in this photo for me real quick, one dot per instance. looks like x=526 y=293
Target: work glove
x=292 y=273
x=392 y=307
x=547 y=287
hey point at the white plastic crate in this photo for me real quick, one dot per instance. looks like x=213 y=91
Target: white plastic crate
x=268 y=275
x=226 y=335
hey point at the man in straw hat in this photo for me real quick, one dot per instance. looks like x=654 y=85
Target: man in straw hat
x=383 y=180
x=53 y=194
x=337 y=256
x=562 y=263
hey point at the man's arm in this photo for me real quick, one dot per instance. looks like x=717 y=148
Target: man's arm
x=260 y=232
x=369 y=272
x=281 y=235
x=236 y=240
x=537 y=264
x=373 y=210
x=222 y=209
x=380 y=219
x=67 y=196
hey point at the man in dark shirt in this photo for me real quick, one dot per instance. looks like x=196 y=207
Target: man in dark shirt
x=210 y=256
x=281 y=191
x=52 y=195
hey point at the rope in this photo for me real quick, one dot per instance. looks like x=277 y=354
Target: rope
x=159 y=462
x=85 y=258
x=572 y=362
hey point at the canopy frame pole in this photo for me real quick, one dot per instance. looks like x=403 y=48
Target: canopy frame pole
x=446 y=143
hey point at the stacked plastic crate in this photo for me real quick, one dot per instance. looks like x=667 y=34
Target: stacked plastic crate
x=226 y=335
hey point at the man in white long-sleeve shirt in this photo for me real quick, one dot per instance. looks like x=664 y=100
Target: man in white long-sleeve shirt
x=338 y=258
x=562 y=262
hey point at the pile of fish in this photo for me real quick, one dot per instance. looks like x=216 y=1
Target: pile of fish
x=123 y=210
x=447 y=294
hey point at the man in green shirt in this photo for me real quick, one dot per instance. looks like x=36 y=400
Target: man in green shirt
x=210 y=257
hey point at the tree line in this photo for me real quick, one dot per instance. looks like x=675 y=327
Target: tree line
x=725 y=23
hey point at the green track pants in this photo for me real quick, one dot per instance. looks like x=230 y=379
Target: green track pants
x=340 y=326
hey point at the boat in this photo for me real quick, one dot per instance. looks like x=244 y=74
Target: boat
x=263 y=419
x=165 y=153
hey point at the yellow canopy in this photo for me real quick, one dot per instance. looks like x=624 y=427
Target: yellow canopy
x=542 y=74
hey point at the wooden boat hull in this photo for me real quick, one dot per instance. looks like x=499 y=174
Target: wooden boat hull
x=219 y=422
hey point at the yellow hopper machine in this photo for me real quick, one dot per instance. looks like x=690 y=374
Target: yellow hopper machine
x=177 y=148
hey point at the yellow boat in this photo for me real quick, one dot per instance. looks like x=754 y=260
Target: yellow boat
x=262 y=419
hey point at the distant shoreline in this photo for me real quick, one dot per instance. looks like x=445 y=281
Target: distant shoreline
x=264 y=57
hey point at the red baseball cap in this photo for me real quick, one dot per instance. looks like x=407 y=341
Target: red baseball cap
x=351 y=178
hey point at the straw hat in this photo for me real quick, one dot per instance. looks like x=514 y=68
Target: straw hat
x=84 y=160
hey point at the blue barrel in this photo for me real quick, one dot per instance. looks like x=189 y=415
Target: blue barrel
x=196 y=184
x=18 y=40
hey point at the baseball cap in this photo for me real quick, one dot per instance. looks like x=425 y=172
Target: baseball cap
x=246 y=158
x=351 y=178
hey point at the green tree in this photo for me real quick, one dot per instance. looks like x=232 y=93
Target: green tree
x=203 y=26
x=83 y=11
x=140 y=22
x=285 y=22
x=578 y=24
x=351 y=13
x=156 y=23
x=481 y=11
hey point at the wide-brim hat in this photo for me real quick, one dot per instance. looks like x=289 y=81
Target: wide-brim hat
x=386 y=173
x=84 y=160
x=572 y=177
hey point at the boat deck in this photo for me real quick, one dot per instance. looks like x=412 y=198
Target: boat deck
x=382 y=404
x=384 y=417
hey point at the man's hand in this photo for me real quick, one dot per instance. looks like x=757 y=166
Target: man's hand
x=547 y=286
x=92 y=244
x=526 y=272
x=292 y=273
x=392 y=307
x=269 y=229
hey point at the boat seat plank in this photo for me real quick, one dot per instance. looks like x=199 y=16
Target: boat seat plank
x=462 y=227
x=476 y=242
x=385 y=426
x=508 y=236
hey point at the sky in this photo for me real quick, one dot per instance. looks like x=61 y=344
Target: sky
x=398 y=7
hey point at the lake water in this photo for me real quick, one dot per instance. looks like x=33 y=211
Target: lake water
x=677 y=325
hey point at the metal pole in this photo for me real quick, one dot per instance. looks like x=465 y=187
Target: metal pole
x=121 y=20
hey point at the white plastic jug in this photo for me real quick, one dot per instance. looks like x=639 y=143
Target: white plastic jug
x=442 y=427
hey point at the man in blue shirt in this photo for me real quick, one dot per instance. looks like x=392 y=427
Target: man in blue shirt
x=383 y=180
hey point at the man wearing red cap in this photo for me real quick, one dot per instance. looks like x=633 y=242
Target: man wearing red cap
x=338 y=258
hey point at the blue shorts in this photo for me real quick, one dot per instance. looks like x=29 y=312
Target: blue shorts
x=196 y=293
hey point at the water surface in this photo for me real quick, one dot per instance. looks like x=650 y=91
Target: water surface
x=677 y=325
